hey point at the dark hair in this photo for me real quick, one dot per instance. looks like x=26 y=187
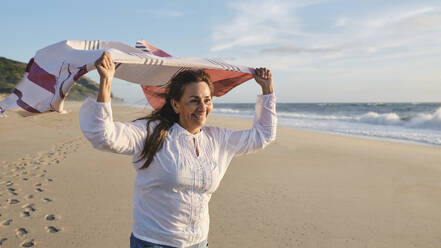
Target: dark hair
x=166 y=115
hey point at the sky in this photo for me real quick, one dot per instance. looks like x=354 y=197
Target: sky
x=317 y=50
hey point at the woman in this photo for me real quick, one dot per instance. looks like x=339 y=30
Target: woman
x=179 y=161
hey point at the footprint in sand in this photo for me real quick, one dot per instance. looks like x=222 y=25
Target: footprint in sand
x=13 y=201
x=52 y=229
x=50 y=217
x=12 y=191
x=2 y=240
x=21 y=232
x=29 y=207
x=29 y=243
x=6 y=222
x=39 y=189
x=28 y=169
x=25 y=214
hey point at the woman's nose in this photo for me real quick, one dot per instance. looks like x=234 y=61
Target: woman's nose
x=201 y=107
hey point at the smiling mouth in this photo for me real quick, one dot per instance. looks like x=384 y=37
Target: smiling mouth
x=198 y=117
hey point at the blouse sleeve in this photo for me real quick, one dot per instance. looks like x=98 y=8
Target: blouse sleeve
x=98 y=127
x=262 y=133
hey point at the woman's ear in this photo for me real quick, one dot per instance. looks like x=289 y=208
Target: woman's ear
x=175 y=105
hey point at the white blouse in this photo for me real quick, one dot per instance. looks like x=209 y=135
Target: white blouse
x=170 y=201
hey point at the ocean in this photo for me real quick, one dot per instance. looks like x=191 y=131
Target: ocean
x=405 y=122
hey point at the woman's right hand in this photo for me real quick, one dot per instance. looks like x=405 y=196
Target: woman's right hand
x=105 y=66
x=106 y=69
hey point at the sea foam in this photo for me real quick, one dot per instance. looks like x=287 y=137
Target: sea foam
x=410 y=122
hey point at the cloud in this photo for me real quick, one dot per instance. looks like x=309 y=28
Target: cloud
x=395 y=18
x=258 y=23
x=287 y=50
x=160 y=13
x=341 y=22
x=287 y=42
x=396 y=32
x=428 y=21
x=373 y=48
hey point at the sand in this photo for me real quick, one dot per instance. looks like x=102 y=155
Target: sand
x=307 y=189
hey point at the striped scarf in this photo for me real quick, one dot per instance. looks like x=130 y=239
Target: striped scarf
x=50 y=74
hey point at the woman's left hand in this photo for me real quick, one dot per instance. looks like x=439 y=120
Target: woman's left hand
x=264 y=78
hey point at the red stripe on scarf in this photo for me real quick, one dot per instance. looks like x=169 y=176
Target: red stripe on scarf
x=40 y=77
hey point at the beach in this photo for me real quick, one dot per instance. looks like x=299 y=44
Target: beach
x=307 y=189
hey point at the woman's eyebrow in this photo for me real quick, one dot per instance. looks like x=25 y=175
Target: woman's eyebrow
x=198 y=97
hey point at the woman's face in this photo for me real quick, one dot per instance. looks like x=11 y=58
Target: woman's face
x=194 y=106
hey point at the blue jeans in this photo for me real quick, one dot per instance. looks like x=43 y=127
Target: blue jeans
x=138 y=243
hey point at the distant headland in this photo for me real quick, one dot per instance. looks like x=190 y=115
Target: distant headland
x=11 y=72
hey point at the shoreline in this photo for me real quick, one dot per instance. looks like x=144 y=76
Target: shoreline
x=145 y=109
x=396 y=140
x=401 y=141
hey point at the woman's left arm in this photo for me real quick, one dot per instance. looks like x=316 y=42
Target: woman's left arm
x=265 y=120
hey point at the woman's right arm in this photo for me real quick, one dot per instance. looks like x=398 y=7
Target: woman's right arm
x=96 y=119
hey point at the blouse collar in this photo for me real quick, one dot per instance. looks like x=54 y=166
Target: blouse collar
x=179 y=130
